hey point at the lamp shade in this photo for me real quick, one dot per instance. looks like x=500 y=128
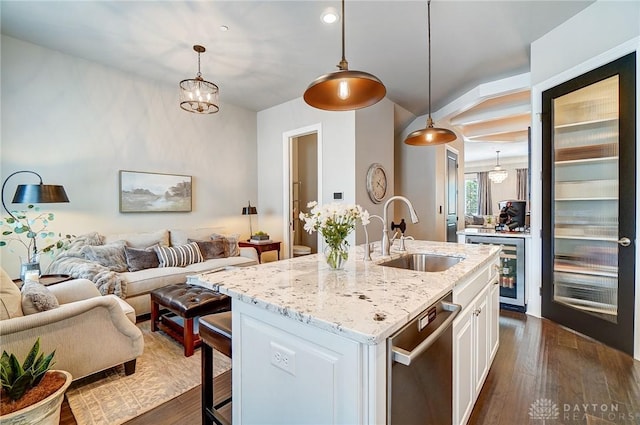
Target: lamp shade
x=430 y=136
x=344 y=90
x=249 y=210
x=39 y=194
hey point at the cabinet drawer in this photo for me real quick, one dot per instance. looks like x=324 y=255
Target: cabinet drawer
x=465 y=292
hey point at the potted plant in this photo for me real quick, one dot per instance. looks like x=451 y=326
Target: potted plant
x=31 y=393
x=25 y=227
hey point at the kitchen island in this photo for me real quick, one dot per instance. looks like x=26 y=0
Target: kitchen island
x=310 y=343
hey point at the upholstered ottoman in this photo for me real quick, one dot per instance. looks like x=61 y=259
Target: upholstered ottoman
x=185 y=304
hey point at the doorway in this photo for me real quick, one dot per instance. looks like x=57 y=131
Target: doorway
x=302 y=184
x=452 y=195
x=589 y=203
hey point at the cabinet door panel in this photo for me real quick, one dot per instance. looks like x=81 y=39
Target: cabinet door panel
x=494 y=318
x=481 y=336
x=463 y=353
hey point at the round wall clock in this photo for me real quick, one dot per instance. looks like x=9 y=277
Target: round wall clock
x=376 y=183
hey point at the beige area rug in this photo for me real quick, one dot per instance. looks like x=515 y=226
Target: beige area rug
x=162 y=373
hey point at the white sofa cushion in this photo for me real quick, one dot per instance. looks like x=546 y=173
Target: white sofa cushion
x=141 y=240
x=10 y=298
x=182 y=236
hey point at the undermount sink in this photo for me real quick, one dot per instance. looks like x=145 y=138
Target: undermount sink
x=423 y=262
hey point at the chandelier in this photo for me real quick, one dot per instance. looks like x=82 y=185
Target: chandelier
x=198 y=95
x=344 y=90
x=498 y=174
x=430 y=135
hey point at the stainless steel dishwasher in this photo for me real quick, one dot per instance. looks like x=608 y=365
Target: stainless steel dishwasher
x=419 y=367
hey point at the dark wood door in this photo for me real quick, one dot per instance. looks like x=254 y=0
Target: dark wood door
x=589 y=203
x=452 y=196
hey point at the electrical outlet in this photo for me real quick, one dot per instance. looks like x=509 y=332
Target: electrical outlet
x=283 y=358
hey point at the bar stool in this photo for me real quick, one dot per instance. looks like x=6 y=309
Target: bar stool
x=215 y=332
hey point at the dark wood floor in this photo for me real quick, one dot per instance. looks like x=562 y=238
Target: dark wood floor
x=539 y=363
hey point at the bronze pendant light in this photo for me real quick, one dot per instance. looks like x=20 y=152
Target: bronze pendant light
x=344 y=90
x=430 y=135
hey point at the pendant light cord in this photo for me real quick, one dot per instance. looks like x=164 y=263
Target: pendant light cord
x=343 y=66
x=429 y=49
x=199 y=74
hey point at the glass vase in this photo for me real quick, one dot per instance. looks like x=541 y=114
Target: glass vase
x=336 y=255
x=27 y=265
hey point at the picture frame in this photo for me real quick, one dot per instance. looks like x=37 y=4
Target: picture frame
x=144 y=192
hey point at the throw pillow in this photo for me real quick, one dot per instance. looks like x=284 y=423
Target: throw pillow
x=10 y=297
x=232 y=242
x=110 y=256
x=36 y=298
x=178 y=256
x=141 y=259
x=212 y=249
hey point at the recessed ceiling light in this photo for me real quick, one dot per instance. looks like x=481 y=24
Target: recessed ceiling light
x=224 y=28
x=330 y=16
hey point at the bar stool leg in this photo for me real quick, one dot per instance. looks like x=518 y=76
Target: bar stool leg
x=207 y=384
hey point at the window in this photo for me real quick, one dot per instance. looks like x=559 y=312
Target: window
x=471 y=194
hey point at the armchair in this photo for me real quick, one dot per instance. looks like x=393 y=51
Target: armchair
x=89 y=332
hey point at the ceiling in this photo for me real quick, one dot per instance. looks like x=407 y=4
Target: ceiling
x=274 y=49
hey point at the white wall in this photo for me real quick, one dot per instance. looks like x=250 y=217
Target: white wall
x=420 y=176
x=337 y=140
x=374 y=144
x=77 y=123
x=599 y=34
x=339 y=171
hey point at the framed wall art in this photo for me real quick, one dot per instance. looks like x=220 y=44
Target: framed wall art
x=154 y=192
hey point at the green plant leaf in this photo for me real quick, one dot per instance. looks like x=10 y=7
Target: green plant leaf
x=10 y=220
x=20 y=386
x=31 y=357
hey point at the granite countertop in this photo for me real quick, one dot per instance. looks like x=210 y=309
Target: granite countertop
x=364 y=302
x=481 y=231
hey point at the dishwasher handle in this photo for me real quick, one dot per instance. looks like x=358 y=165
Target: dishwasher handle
x=405 y=357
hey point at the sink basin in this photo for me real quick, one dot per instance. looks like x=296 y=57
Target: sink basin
x=423 y=262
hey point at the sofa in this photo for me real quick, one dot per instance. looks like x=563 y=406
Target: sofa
x=78 y=323
x=117 y=263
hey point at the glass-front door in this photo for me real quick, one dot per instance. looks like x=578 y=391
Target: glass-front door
x=589 y=203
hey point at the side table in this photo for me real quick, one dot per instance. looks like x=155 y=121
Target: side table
x=48 y=279
x=261 y=247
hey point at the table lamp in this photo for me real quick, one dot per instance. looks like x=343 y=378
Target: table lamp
x=34 y=194
x=249 y=210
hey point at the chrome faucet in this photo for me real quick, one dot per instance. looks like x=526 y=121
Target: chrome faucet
x=386 y=242
x=368 y=248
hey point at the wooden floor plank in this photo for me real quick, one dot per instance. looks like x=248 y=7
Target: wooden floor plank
x=537 y=359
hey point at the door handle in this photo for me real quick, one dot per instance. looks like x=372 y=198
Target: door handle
x=624 y=241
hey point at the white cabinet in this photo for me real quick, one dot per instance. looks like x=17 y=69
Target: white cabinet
x=481 y=339
x=463 y=353
x=475 y=340
x=494 y=319
x=287 y=372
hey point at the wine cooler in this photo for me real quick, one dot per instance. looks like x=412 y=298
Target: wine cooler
x=511 y=280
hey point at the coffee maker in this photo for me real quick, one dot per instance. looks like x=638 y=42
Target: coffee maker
x=512 y=216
